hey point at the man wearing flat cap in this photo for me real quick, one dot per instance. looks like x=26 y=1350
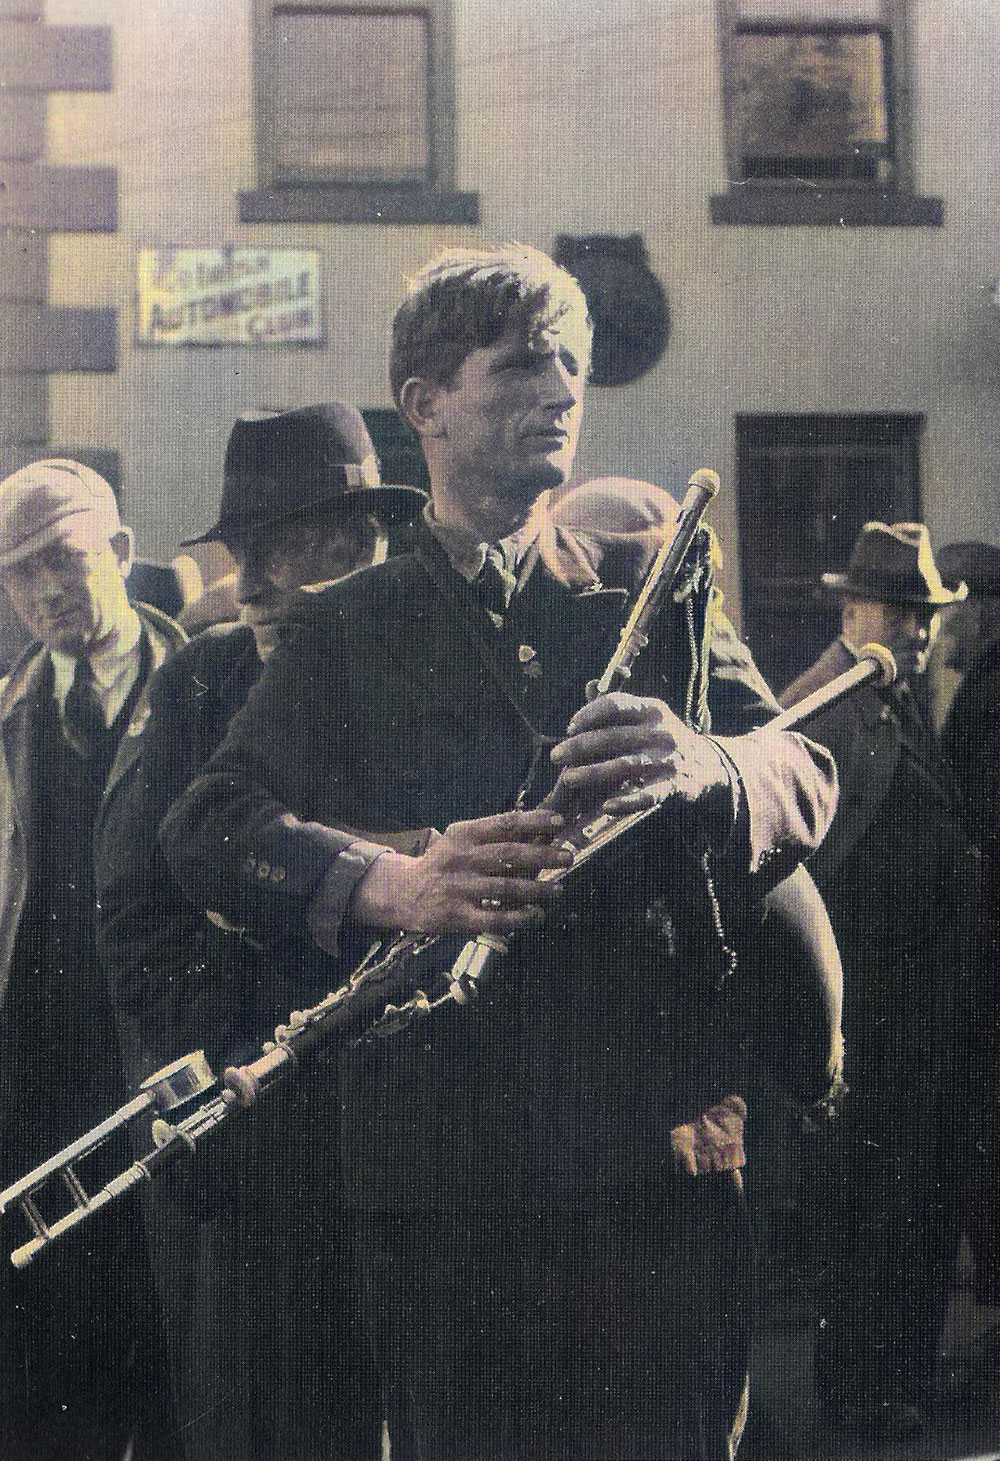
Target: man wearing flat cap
x=302 y=506
x=898 y=879
x=73 y=1340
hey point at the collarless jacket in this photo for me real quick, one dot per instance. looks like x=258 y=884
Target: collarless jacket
x=19 y=696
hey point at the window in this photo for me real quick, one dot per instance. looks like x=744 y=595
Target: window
x=373 y=126
x=816 y=113
x=355 y=113
x=807 y=485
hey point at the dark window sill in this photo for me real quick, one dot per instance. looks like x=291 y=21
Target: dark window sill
x=790 y=207
x=350 y=203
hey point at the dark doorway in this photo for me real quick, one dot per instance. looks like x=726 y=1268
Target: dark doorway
x=807 y=484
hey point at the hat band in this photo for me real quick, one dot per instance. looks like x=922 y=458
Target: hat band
x=890 y=587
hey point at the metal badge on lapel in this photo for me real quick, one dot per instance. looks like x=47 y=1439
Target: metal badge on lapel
x=529 y=661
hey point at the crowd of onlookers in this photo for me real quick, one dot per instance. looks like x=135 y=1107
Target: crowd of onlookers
x=220 y=777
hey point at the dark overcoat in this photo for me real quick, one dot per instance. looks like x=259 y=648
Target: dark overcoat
x=247 y=1241
x=393 y=704
x=901 y=886
x=79 y=1344
x=971 y=740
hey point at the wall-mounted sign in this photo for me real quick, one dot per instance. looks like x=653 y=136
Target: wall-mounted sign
x=229 y=296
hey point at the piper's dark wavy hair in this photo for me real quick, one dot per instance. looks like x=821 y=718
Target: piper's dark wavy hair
x=466 y=299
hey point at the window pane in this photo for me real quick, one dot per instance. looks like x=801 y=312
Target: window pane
x=812 y=101
x=351 y=98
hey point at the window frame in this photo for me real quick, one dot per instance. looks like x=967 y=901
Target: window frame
x=829 y=200
x=771 y=596
x=310 y=197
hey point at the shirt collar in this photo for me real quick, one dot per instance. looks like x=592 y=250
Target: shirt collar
x=466 y=553
x=109 y=665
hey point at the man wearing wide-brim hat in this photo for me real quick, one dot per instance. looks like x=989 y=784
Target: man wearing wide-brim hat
x=899 y=881
x=302 y=505
x=891 y=592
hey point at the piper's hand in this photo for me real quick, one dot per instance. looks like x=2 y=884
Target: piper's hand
x=625 y=753
x=477 y=877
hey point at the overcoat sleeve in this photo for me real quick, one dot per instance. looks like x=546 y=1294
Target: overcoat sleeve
x=169 y=970
x=789 y=782
x=248 y=838
x=242 y=840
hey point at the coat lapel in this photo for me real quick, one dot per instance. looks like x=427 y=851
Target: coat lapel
x=164 y=638
x=551 y=642
x=20 y=695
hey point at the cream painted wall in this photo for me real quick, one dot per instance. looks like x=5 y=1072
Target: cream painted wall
x=574 y=116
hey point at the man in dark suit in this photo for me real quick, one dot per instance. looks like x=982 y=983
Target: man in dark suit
x=900 y=887
x=970 y=643
x=76 y=1374
x=301 y=506
x=544 y=1272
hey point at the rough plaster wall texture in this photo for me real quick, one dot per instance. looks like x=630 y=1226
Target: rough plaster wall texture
x=610 y=127
x=178 y=127
x=598 y=117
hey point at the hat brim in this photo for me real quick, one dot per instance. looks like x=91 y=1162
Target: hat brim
x=390 y=504
x=841 y=583
x=80 y=529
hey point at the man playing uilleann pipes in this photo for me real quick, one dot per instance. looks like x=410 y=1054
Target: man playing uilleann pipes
x=552 y=1247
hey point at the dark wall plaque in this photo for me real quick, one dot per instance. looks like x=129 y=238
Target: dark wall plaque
x=626 y=300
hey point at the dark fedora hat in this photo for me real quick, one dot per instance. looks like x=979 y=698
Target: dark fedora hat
x=280 y=464
x=894 y=565
x=978 y=564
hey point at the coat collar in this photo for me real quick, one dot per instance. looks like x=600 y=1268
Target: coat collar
x=28 y=679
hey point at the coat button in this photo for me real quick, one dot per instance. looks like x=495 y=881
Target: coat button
x=278 y=875
x=263 y=869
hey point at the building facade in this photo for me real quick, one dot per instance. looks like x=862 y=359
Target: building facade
x=834 y=345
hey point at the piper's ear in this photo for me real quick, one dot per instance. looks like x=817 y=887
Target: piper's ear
x=418 y=401
x=123 y=543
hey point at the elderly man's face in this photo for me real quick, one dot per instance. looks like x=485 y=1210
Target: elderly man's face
x=510 y=420
x=907 y=630
x=275 y=562
x=71 y=593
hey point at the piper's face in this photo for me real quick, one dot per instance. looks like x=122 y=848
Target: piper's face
x=71 y=593
x=509 y=421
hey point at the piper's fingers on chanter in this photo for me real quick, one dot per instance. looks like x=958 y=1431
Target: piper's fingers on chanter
x=616 y=708
x=609 y=743
x=484 y=916
x=518 y=859
x=505 y=827
x=507 y=893
x=622 y=803
x=619 y=774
